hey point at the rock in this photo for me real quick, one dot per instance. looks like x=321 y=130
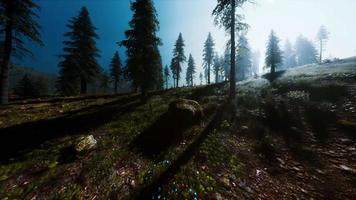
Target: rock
x=185 y=109
x=85 y=143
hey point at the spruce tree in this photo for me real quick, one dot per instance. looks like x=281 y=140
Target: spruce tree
x=143 y=57
x=217 y=67
x=178 y=58
x=104 y=82
x=306 y=52
x=18 y=24
x=208 y=55
x=322 y=36
x=190 y=71
x=243 y=58
x=79 y=66
x=289 y=59
x=25 y=88
x=166 y=75
x=225 y=15
x=226 y=63
x=115 y=70
x=201 y=78
x=273 y=53
x=174 y=70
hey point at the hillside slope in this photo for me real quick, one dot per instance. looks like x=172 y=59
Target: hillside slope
x=293 y=138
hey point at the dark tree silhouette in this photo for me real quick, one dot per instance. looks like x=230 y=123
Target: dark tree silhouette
x=322 y=36
x=17 y=21
x=217 y=67
x=143 y=58
x=178 y=58
x=166 y=75
x=190 y=71
x=273 y=53
x=115 y=70
x=289 y=59
x=226 y=62
x=105 y=82
x=201 y=78
x=225 y=15
x=208 y=55
x=305 y=51
x=79 y=64
x=31 y=87
x=243 y=58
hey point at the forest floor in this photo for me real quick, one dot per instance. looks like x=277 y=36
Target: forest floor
x=294 y=138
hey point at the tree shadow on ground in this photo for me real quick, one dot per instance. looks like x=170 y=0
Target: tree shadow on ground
x=18 y=138
x=166 y=131
x=273 y=76
x=150 y=190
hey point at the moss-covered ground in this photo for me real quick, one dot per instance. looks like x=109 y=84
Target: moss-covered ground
x=293 y=138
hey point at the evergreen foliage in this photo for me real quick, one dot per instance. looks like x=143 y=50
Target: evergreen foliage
x=225 y=16
x=208 y=55
x=322 y=36
x=273 y=53
x=166 y=75
x=116 y=70
x=17 y=24
x=79 y=66
x=190 y=71
x=178 y=58
x=305 y=51
x=243 y=58
x=289 y=57
x=143 y=63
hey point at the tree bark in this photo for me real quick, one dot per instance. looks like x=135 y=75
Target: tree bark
x=208 y=73
x=5 y=64
x=83 y=86
x=115 y=86
x=232 y=61
x=321 y=51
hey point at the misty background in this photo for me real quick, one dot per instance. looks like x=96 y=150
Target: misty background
x=288 y=18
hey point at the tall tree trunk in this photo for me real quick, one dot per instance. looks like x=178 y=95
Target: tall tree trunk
x=232 y=61
x=115 y=86
x=166 y=83
x=177 y=77
x=83 y=86
x=321 y=51
x=208 y=73
x=5 y=64
x=216 y=77
x=273 y=69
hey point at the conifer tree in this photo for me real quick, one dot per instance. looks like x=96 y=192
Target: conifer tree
x=25 y=88
x=322 y=36
x=306 y=52
x=115 y=70
x=105 y=82
x=178 y=58
x=166 y=75
x=190 y=71
x=143 y=57
x=243 y=58
x=226 y=63
x=289 y=59
x=273 y=53
x=201 y=78
x=225 y=15
x=79 y=66
x=217 y=67
x=18 y=23
x=208 y=55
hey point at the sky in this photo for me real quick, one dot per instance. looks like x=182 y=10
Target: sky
x=288 y=18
